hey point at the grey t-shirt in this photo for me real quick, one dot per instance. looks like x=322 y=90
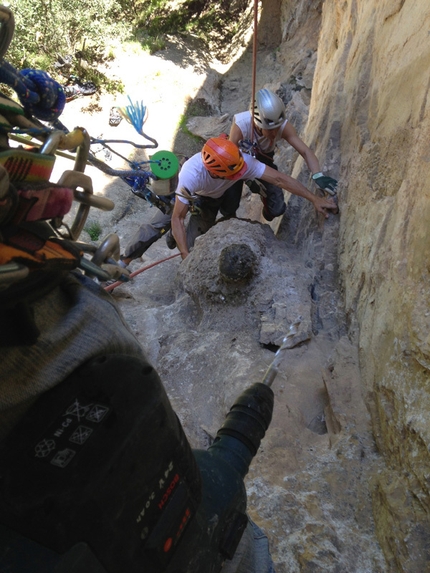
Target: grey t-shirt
x=78 y=320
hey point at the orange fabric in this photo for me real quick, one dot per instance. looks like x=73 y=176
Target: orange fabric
x=35 y=252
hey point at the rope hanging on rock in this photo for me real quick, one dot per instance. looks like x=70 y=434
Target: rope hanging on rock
x=254 y=65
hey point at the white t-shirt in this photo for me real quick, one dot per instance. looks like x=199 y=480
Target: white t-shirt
x=195 y=178
x=243 y=121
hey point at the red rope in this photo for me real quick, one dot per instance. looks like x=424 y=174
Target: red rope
x=254 y=65
x=133 y=274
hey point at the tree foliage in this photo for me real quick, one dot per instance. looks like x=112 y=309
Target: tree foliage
x=46 y=29
x=203 y=17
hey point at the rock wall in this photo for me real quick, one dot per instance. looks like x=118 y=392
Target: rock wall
x=369 y=122
x=353 y=74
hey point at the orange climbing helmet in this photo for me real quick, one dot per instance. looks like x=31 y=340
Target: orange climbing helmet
x=223 y=158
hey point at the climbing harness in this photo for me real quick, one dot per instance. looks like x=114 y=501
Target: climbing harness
x=248 y=147
x=194 y=201
x=34 y=235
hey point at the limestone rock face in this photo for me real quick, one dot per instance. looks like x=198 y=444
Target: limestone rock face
x=369 y=118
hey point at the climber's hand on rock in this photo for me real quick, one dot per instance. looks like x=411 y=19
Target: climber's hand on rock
x=322 y=205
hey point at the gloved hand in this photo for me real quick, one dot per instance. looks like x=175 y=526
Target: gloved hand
x=324 y=182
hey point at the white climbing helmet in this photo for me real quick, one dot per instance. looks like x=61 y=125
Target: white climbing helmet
x=269 y=110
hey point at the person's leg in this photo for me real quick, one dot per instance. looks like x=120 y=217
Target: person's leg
x=200 y=223
x=273 y=201
x=273 y=197
x=231 y=200
x=146 y=235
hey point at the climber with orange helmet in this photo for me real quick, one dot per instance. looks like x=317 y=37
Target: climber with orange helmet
x=204 y=187
x=271 y=126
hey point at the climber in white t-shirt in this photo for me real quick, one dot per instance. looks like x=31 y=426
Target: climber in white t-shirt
x=204 y=189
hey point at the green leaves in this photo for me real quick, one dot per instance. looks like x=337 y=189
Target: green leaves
x=46 y=29
x=84 y=31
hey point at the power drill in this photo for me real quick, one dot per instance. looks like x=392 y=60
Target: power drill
x=98 y=477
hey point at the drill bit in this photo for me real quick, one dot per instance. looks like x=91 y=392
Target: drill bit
x=272 y=371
